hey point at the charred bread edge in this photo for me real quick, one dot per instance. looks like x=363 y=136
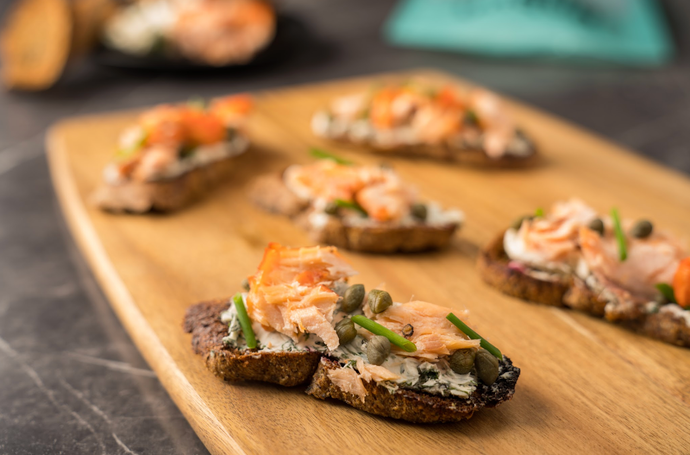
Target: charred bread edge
x=413 y=406
x=202 y=320
x=571 y=293
x=162 y=195
x=270 y=193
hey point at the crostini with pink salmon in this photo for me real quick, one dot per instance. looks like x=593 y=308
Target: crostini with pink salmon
x=629 y=272
x=299 y=321
x=174 y=155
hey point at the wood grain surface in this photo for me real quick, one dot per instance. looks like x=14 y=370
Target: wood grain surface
x=586 y=386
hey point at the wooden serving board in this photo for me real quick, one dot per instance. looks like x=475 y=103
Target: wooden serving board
x=586 y=386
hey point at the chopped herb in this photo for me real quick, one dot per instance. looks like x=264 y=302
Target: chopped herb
x=471 y=117
x=667 y=291
x=131 y=150
x=324 y=155
x=427 y=375
x=378 y=329
x=230 y=134
x=620 y=235
x=186 y=151
x=351 y=205
x=197 y=102
x=474 y=335
x=539 y=212
x=245 y=322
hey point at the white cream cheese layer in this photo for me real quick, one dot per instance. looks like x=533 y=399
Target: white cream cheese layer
x=360 y=130
x=436 y=378
x=201 y=156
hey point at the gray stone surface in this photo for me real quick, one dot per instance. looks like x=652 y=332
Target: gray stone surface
x=71 y=380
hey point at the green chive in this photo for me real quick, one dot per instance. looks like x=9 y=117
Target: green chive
x=197 y=102
x=127 y=152
x=474 y=335
x=620 y=236
x=350 y=205
x=245 y=322
x=667 y=291
x=378 y=329
x=324 y=155
x=471 y=117
x=539 y=212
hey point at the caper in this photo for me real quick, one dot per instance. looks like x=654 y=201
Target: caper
x=379 y=301
x=353 y=297
x=331 y=208
x=407 y=330
x=487 y=366
x=346 y=330
x=661 y=299
x=642 y=229
x=518 y=222
x=245 y=284
x=462 y=360
x=597 y=226
x=419 y=211
x=378 y=349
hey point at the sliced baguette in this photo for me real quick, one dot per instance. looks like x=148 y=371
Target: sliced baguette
x=163 y=195
x=668 y=324
x=416 y=407
x=270 y=193
x=285 y=368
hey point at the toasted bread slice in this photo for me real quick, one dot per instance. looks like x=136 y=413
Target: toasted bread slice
x=294 y=368
x=464 y=156
x=270 y=193
x=670 y=324
x=413 y=406
x=162 y=195
x=285 y=368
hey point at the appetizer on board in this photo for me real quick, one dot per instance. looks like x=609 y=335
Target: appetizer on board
x=415 y=118
x=174 y=154
x=211 y=32
x=361 y=208
x=299 y=321
x=627 y=271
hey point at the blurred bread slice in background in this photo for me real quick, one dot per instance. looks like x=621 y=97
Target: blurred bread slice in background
x=39 y=37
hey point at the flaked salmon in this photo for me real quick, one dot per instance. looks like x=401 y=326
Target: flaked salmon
x=379 y=191
x=550 y=241
x=432 y=333
x=290 y=292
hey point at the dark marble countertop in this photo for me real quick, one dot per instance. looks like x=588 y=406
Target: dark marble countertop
x=71 y=381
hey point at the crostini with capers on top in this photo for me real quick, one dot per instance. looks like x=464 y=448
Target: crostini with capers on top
x=299 y=321
x=629 y=272
x=360 y=208
x=173 y=155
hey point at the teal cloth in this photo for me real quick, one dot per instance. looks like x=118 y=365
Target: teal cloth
x=638 y=35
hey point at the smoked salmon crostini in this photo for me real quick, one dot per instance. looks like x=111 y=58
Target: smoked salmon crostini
x=300 y=321
x=361 y=208
x=209 y=32
x=627 y=271
x=418 y=118
x=174 y=154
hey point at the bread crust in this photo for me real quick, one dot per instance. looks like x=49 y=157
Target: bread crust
x=470 y=157
x=285 y=368
x=573 y=293
x=413 y=406
x=270 y=193
x=162 y=195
